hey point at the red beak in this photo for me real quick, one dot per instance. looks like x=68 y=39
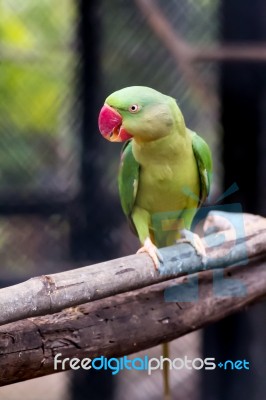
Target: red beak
x=110 y=125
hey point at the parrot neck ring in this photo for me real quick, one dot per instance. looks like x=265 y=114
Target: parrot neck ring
x=111 y=125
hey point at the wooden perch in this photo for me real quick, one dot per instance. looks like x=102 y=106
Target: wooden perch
x=48 y=294
x=125 y=323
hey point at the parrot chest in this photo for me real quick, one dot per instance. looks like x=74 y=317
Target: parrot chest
x=168 y=189
x=165 y=187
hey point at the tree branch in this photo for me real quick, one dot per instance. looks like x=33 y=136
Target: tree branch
x=180 y=50
x=126 y=323
x=233 y=238
x=186 y=55
x=231 y=52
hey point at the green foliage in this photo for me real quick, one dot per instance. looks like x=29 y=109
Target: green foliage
x=37 y=68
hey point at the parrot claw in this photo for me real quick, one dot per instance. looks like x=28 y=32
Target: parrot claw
x=195 y=241
x=153 y=252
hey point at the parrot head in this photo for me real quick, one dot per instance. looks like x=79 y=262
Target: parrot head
x=139 y=112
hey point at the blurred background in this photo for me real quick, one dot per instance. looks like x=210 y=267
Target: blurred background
x=59 y=205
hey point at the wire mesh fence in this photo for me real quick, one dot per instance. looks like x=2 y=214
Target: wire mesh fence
x=38 y=145
x=40 y=148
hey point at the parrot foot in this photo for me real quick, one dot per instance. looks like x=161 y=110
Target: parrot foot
x=195 y=241
x=153 y=252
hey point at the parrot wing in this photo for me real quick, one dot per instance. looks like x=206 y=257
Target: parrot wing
x=128 y=180
x=203 y=158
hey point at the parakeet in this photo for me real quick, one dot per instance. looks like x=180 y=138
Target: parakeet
x=165 y=170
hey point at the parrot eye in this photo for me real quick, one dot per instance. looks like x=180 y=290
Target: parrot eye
x=134 y=108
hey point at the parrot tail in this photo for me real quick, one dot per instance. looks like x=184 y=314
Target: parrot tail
x=166 y=384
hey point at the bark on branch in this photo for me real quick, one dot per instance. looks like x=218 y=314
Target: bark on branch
x=125 y=323
x=234 y=238
x=120 y=324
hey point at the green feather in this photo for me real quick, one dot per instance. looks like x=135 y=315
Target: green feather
x=203 y=157
x=128 y=180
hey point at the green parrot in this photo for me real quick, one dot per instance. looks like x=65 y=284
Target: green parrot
x=165 y=170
